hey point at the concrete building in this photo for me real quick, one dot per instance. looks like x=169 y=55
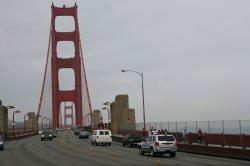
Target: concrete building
x=31 y=123
x=3 y=119
x=96 y=118
x=122 y=117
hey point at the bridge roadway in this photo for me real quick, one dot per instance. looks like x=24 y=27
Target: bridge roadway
x=68 y=150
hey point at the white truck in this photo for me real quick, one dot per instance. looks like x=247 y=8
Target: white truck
x=101 y=137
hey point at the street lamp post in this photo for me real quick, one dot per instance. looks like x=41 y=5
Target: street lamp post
x=13 y=119
x=142 y=85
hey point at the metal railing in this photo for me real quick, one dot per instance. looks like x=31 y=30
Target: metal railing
x=221 y=126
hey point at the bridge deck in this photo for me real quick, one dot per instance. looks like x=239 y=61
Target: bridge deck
x=69 y=150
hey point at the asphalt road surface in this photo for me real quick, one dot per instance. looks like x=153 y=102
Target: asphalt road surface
x=68 y=150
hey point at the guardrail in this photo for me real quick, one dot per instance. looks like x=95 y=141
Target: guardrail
x=223 y=140
x=219 y=126
x=18 y=134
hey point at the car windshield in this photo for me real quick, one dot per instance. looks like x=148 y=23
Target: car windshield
x=46 y=132
x=166 y=138
x=133 y=136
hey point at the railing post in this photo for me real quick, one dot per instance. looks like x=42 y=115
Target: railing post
x=161 y=125
x=223 y=129
x=196 y=126
x=240 y=126
x=208 y=125
x=168 y=126
x=209 y=131
x=223 y=133
x=241 y=136
x=175 y=126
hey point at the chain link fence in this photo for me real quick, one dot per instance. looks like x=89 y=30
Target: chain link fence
x=221 y=126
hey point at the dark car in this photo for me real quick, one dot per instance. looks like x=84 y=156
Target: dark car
x=83 y=134
x=1 y=143
x=77 y=131
x=47 y=135
x=54 y=133
x=132 y=140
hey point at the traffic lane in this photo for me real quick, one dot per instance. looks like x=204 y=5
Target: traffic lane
x=27 y=152
x=195 y=159
x=69 y=150
x=32 y=151
x=181 y=158
x=104 y=153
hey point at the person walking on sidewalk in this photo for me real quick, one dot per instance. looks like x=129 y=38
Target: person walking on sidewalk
x=200 y=136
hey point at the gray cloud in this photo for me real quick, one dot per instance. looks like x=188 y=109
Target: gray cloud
x=194 y=54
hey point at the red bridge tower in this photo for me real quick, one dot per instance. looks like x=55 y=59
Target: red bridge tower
x=57 y=63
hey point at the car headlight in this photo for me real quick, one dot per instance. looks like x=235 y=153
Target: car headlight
x=42 y=135
x=49 y=135
x=1 y=142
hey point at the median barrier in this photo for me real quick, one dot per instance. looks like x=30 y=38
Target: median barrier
x=19 y=135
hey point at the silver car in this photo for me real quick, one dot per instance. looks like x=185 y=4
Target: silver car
x=159 y=144
x=1 y=143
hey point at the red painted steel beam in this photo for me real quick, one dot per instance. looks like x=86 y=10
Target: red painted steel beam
x=65 y=36
x=70 y=11
x=69 y=107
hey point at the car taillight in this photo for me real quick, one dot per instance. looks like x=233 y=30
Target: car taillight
x=157 y=144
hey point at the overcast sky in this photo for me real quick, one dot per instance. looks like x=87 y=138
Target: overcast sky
x=194 y=54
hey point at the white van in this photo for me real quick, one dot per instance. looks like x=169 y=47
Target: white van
x=101 y=137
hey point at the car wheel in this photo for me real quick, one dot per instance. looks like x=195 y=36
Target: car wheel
x=152 y=153
x=41 y=139
x=130 y=145
x=109 y=144
x=92 y=143
x=96 y=143
x=172 y=154
x=123 y=144
x=140 y=151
